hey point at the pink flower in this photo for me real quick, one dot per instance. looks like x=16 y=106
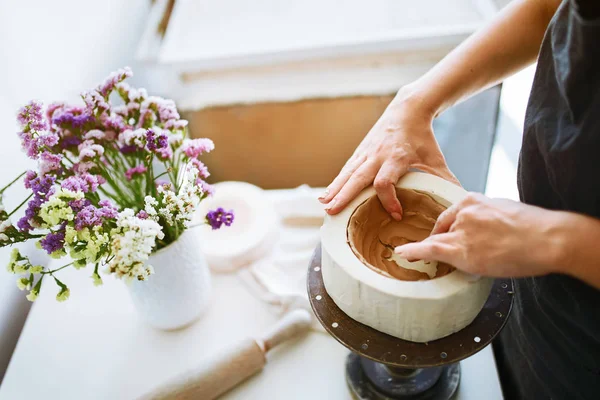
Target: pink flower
x=140 y=169
x=95 y=134
x=202 y=170
x=165 y=153
x=176 y=124
x=49 y=162
x=83 y=167
x=195 y=147
x=88 y=149
x=206 y=187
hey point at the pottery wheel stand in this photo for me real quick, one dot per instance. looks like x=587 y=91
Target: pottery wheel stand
x=382 y=367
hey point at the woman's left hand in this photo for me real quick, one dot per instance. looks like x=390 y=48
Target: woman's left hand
x=491 y=237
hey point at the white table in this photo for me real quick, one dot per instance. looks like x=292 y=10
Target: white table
x=94 y=347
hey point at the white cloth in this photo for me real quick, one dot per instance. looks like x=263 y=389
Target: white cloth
x=279 y=279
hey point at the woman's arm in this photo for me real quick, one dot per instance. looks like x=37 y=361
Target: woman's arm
x=510 y=43
x=403 y=137
x=504 y=238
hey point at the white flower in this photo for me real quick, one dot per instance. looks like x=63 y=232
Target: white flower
x=137 y=137
x=5 y=225
x=133 y=241
x=150 y=204
x=4 y=238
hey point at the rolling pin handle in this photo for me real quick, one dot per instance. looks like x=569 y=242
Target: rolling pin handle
x=292 y=324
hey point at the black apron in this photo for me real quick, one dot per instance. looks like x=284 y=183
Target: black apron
x=550 y=347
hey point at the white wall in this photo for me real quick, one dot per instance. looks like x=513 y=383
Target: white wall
x=52 y=50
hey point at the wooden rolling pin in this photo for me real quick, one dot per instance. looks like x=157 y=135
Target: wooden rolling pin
x=234 y=365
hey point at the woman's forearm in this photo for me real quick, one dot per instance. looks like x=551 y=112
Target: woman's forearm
x=574 y=246
x=508 y=44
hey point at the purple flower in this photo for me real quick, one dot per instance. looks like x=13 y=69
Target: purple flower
x=29 y=144
x=82 y=183
x=86 y=218
x=70 y=141
x=72 y=117
x=42 y=189
x=113 y=79
x=150 y=140
x=39 y=185
x=29 y=177
x=142 y=214
x=91 y=216
x=162 y=141
x=128 y=149
x=107 y=209
x=31 y=117
x=48 y=139
x=54 y=241
x=140 y=169
x=49 y=162
x=78 y=205
x=24 y=225
x=218 y=217
x=195 y=147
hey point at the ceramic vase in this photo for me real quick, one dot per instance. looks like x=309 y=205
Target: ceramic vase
x=178 y=292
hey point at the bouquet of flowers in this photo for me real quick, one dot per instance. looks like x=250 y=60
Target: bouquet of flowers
x=116 y=180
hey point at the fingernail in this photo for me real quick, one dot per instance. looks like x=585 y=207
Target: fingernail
x=398 y=250
x=330 y=205
x=324 y=194
x=397 y=216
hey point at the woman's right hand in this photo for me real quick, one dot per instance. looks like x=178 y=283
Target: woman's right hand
x=401 y=139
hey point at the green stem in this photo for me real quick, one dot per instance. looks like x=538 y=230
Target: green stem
x=57 y=269
x=20 y=205
x=13 y=181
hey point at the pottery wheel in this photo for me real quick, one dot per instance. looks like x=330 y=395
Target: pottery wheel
x=391 y=351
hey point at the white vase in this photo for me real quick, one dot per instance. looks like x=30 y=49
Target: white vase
x=178 y=292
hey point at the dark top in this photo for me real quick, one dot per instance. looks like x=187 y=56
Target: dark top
x=550 y=347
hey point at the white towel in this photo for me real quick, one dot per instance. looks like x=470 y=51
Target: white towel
x=279 y=279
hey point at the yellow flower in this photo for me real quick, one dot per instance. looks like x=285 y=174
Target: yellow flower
x=23 y=283
x=19 y=268
x=36 y=269
x=56 y=209
x=63 y=294
x=97 y=279
x=81 y=263
x=14 y=255
x=32 y=296
x=70 y=235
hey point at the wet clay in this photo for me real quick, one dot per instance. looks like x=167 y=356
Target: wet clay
x=372 y=233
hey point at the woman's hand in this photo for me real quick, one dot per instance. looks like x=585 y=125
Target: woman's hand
x=493 y=237
x=401 y=139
